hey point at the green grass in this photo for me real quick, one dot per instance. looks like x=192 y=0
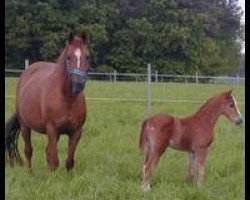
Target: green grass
x=108 y=161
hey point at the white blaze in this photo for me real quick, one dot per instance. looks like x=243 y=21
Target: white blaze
x=78 y=56
x=236 y=106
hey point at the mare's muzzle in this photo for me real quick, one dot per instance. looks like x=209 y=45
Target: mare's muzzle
x=78 y=85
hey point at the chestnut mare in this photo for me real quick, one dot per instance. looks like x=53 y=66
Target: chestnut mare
x=49 y=100
x=193 y=134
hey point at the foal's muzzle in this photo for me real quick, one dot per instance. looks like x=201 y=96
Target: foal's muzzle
x=78 y=85
x=238 y=121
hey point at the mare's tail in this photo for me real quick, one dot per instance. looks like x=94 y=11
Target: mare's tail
x=12 y=131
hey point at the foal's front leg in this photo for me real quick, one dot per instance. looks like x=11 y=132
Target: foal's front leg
x=73 y=141
x=201 y=156
x=191 y=166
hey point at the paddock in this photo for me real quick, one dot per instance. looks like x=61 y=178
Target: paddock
x=108 y=160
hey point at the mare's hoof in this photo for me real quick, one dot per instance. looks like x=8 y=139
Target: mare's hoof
x=69 y=164
x=54 y=166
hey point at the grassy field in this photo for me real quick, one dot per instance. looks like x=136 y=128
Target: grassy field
x=108 y=161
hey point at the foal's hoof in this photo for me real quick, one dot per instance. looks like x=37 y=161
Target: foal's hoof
x=146 y=188
x=69 y=164
x=53 y=168
x=190 y=178
x=199 y=184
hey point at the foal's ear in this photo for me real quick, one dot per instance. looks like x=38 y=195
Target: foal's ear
x=229 y=93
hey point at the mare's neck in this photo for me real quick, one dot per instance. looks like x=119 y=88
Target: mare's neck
x=208 y=114
x=66 y=89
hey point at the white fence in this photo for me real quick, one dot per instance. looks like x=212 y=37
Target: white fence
x=155 y=77
x=150 y=78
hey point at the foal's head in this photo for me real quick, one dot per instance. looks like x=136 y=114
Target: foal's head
x=230 y=108
x=77 y=61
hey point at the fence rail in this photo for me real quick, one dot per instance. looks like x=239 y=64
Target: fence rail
x=149 y=78
x=155 y=77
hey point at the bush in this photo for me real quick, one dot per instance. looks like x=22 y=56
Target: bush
x=104 y=69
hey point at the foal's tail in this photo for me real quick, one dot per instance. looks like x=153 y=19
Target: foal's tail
x=12 y=131
x=143 y=138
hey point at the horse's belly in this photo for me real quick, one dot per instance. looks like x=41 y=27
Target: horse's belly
x=66 y=125
x=182 y=143
x=30 y=115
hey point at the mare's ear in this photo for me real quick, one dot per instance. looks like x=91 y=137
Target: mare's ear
x=85 y=37
x=71 y=37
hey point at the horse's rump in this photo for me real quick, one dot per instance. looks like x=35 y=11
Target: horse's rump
x=161 y=124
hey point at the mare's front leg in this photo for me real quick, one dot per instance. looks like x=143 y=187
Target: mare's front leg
x=73 y=141
x=51 y=149
x=201 y=156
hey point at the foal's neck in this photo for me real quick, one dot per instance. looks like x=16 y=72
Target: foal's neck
x=208 y=114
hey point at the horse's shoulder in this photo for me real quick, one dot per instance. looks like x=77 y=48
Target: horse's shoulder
x=46 y=68
x=42 y=65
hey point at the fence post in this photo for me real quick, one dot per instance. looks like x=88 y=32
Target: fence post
x=115 y=76
x=149 y=90
x=196 y=77
x=238 y=79
x=26 y=63
x=156 y=76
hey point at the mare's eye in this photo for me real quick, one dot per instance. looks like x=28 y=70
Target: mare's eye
x=87 y=58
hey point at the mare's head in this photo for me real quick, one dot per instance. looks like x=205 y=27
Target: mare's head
x=230 y=108
x=77 y=61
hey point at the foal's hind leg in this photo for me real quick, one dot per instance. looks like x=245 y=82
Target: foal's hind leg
x=28 y=150
x=151 y=160
x=51 y=149
x=191 y=167
x=73 y=141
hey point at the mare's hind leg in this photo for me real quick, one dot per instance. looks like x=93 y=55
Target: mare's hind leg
x=51 y=149
x=28 y=150
x=73 y=141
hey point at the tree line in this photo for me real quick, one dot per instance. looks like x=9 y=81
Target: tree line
x=175 y=36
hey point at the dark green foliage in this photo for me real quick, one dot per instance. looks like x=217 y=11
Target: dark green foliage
x=175 y=36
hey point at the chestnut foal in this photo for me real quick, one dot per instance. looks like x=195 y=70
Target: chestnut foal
x=193 y=134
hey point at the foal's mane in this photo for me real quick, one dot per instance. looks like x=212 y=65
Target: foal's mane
x=215 y=100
